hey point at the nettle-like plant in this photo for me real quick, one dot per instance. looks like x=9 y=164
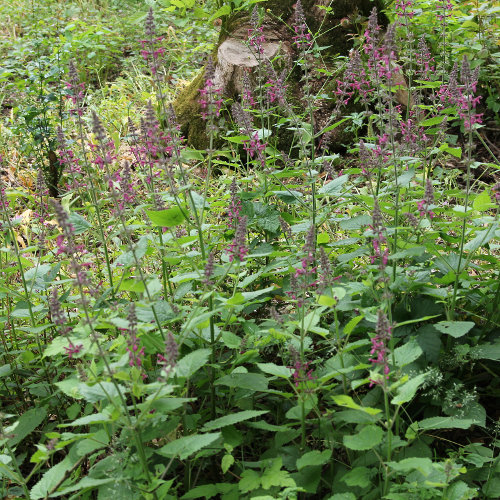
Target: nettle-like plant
x=282 y=329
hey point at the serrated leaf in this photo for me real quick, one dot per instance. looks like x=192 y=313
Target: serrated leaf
x=223 y=11
x=407 y=353
x=422 y=464
x=232 y=419
x=314 y=458
x=80 y=224
x=36 y=276
x=192 y=362
x=266 y=217
x=356 y=222
x=101 y=392
x=359 y=476
x=226 y=462
x=351 y=324
x=130 y=258
x=347 y=402
x=407 y=391
x=444 y=423
x=485 y=351
x=369 y=437
x=5 y=370
x=250 y=480
x=85 y=483
x=166 y=218
x=334 y=186
x=95 y=418
x=188 y=445
x=203 y=491
x=325 y=300
x=481 y=239
x=231 y=340
x=26 y=424
x=52 y=477
x=69 y=386
x=428 y=339
x=435 y=120
x=454 y=328
x=456 y=152
x=277 y=370
x=251 y=381
x=482 y=202
x=274 y=476
x=343 y=496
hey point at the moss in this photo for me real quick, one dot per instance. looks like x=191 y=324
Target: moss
x=187 y=110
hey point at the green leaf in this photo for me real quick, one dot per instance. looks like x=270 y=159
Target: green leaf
x=423 y=465
x=226 y=462
x=454 y=328
x=223 y=11
x=485 y=351
x=407 y=353
x=251 y=381
x=347 y=402
x=267 y=217
x=85 y=483
x=369 y=437
x=335 y=125
x=436 y=120
x=237 y=139
x=482 y=202
x=192 y=362
x=456 y=152
x=186 y=446
x=325 y=300
x=26 y=424
x=203 y=491
x=428 y=339
x=359 y=476
x=5 y=370
x=481 y=239
x=250 y=480
x=36 y=276
x=166 y=218
x=274 y=476
x=444 y=423
x=247 y=296
x=407 y=391
x=232 y=419
x=351 y=324
x=80 y=225
x=101 y=392
x=130 y=258
x=290 y=197
x=491 y=488
x=231 y=340
x=95 y=418
x=273 y=369
x=334 y=186
x=343 y=496
x=357 y=222
x=314 y=457
x=52 y=477
x=69 y=386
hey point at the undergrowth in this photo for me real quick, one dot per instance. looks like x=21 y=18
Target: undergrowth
x=242 y=321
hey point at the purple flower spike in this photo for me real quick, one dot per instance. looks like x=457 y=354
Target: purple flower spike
x=238 y=248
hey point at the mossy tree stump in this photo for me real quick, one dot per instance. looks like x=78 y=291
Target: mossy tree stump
x=233 y=56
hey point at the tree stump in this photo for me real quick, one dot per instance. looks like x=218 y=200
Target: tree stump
x=233 y=55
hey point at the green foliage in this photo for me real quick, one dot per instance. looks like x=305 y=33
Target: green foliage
x=239 y=321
